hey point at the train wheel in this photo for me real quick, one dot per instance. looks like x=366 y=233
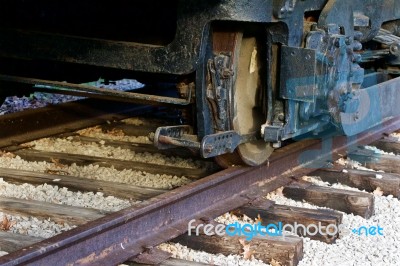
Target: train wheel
x=247 y=116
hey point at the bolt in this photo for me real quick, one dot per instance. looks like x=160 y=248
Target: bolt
x=357 y=58
x=250 y=196
x=226 y=73
x=348 y=40
x=357 y=46
x=148 y=249
x=206 y=219
x=277 y=144
x=208 y=148
x=356 y=116
x=394 y=49
x=337 y=43
x=281 y=117
x=358 y=35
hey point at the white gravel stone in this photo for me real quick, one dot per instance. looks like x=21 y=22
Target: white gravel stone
x=96 y=172
x=350 y=249
x=353 y=249
x=355 y=165
x=317 y=181
x=35 y=100
x=40 y=99
x=279 y=198
x=99 y=150
x=135 y=121
x=395 y=136
x=97 y=132
x=378 y=151
x=35 y=227
x=228 y=218
x=54 y=194
x=182 y=252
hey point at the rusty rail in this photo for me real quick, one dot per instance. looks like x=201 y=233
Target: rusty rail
x=32 y=124
x=92 y=91
x=129 y=232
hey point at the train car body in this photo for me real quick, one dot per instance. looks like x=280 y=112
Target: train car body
x=258 y=72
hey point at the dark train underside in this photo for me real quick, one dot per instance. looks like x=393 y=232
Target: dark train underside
x=115 y=25
x=255 y=73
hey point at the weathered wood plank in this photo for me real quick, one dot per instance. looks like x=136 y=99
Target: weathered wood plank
x=388 y=145
x=384 y=162
x=143 y=128
x=152 y=257
x=74 y=183
x=287 y=250
x=361 y=179
x=148 y=126
x=59 y=213
x=10 y=242
x=67 y=158
x=358 y=203
x=291 y=215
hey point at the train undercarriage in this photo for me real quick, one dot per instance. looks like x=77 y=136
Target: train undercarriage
x=254 y=73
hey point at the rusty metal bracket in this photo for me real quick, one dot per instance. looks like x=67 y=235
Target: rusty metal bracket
x=224 y=142
x=377 y=106
x=218 y=91
x=273 y=133
x=283 y=8
x=175 y=136
x=220 y=143
x=298 y=74
x=210 y=146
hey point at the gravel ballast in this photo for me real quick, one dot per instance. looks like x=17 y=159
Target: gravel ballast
x=182 y=252
x=350 y=249
x=33 y=226
x=100 y=150
x=46 y=228
x=39 y=99
x=54 y=194
x=96 y=172
x=97 y=132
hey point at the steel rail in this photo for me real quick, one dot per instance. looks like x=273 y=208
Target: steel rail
x=132 y=97
x=122 y=235
x=32 y=124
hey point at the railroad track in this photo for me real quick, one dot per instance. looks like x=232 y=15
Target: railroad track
x=150 y=216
